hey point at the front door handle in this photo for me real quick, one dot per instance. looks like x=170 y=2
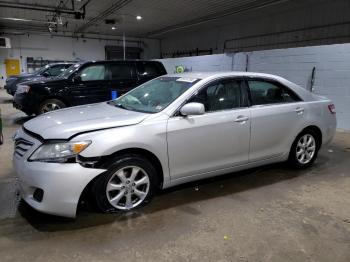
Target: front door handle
x=241 y=119
x=299 y=110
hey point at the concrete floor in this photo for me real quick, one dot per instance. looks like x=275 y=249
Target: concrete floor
x=266 y=214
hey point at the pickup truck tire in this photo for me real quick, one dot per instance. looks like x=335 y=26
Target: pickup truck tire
x=50 y=105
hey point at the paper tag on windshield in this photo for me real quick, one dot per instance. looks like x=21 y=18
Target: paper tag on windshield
x=188 y=80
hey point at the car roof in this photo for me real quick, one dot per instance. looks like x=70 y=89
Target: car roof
x=204 y=75
x=118 y=60
x=208 y=76
x=62 y=63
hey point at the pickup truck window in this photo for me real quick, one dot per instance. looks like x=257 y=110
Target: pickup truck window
x=93 y=73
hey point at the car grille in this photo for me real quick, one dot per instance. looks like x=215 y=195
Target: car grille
x=22 y=146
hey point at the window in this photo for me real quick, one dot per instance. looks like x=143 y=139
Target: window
x=221 y=95
x=71 y=69
x=264 y=92
x=56 y=70
x=121 y=71
x=148 y=70
x=155 y=95
x=93 y=73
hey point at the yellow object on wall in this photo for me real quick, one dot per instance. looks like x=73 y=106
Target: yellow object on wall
x=12 y=67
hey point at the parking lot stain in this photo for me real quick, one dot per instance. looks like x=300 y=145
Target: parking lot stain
x=9 y=197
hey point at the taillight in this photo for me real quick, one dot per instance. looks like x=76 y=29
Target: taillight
x=331 y=108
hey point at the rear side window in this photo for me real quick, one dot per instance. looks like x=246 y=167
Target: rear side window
x=93 y=73
x=121 y=71
x=148 y=70
x=265 y=92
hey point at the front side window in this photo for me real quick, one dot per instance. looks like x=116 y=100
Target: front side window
x=154 y=96
x=221 y=95
x=93 y=73
x=264 y=92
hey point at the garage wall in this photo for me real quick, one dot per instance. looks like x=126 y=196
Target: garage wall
x=332 y=63
x=64 y=48
x=294 y=23
x=332 y=77
x=221 y=62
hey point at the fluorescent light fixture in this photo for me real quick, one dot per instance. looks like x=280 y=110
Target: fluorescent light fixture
x=16 y=19
x=113 y=28
x=138 y=17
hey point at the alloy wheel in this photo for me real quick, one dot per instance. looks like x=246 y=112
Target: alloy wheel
x=128 y=187
x=50 y=107
x=306 y=149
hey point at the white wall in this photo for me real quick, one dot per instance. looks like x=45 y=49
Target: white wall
x=332 y=64
x=332 y=72
x=64 y=48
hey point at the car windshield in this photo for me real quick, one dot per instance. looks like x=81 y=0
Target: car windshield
x=66 y=73
x=154 y=96
x=41 y=70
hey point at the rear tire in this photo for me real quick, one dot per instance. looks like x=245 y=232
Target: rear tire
x=129 y=183
x=50 y=105
x=304 y=150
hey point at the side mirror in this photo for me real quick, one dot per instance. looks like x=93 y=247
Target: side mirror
x=45 y=74
x=77 y=79
x=192 y=109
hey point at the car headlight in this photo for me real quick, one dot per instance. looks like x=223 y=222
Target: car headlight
x=59 y=152
x=22 y=89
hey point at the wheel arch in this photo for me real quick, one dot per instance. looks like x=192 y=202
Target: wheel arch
x=318 y=137
x=316 y=130
x=105 y=160
x=312 y=127
x=138 y=151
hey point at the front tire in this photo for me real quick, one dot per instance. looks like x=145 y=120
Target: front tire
x=50 y=105
x=129 y=183
x=304 y=150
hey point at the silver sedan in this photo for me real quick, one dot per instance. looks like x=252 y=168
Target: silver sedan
x=171 y=130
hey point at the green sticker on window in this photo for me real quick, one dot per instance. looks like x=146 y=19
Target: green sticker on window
x=179 y=69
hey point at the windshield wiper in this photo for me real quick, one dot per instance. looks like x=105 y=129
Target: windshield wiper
x=122 y=106
x=129 y=108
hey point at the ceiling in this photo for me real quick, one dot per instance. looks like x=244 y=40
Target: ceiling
x=158 y=16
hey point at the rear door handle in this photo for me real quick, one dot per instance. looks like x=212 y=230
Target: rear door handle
x=299 y=110
x=241 y=119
